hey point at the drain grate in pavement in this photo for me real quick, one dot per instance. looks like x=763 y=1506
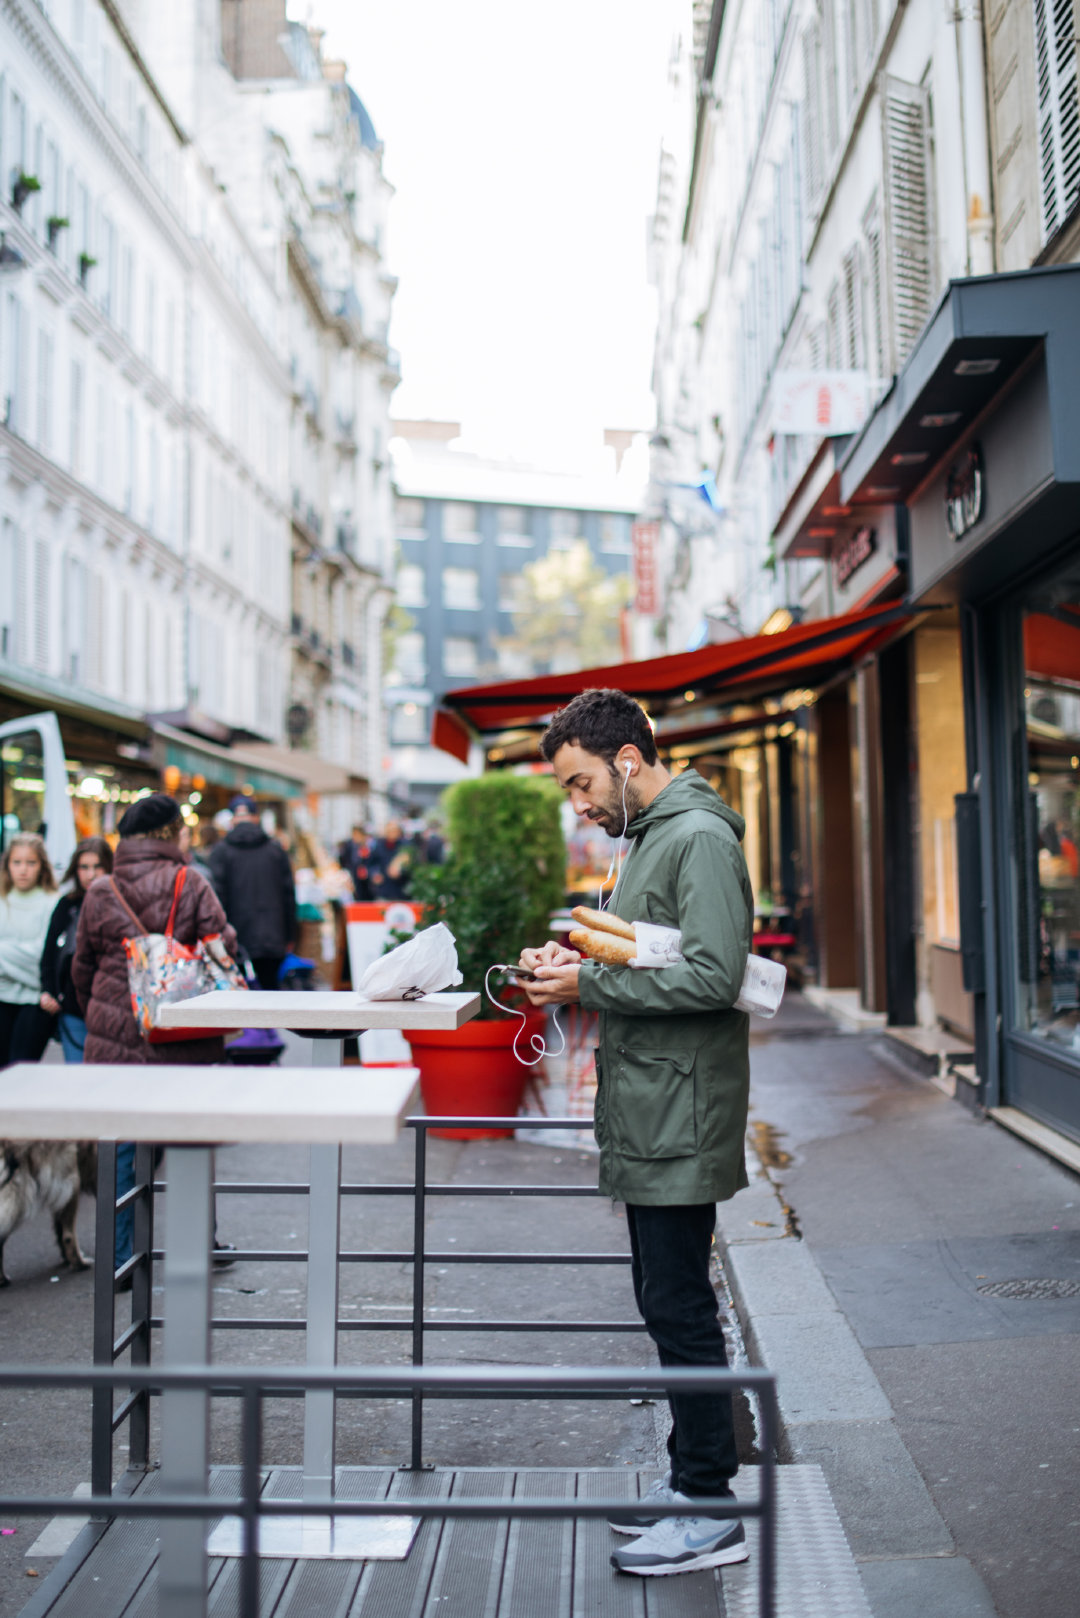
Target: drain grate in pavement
x=1030 y=1289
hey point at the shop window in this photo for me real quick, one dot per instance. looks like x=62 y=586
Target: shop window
x=1045 y=768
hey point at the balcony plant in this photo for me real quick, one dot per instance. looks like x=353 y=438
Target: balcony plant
x=86 y=264
x=54 y=225
x=23 y=186
x=504 y=875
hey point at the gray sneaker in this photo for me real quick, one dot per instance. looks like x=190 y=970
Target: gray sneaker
x=639 y=1518
x=682 y=1545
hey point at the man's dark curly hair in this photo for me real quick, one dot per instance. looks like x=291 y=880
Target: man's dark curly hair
x=600 y=721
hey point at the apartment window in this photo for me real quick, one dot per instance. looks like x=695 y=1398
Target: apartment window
x=411 y=590
x=460 y=521
x=461 y=656
x=12 y=615
x=461 y=587
x=615 y=535
x=75 y=420
x=514 y=526
x=908 y=223
x=1059 y=116
x=13 y=379
x=410 y=658
x=409 y=724
x=509 y=592
x=409 y=516
x=42 y=594
x=514 y=664
x=45 y=392
x=566 y=529
x=74 y=619
x=150 y=340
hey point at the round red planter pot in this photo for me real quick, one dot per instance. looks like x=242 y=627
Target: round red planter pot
x=473 y=1072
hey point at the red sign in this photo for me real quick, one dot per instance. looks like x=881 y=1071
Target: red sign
x=853 y=553
x=645 y=538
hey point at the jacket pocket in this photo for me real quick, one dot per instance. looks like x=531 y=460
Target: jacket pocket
x=653 y=1107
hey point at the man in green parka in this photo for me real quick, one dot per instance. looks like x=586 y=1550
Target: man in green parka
x=673 y=1075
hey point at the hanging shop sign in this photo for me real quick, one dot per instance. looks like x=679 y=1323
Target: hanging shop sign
x=853 y=553
x=964 y=492
x=645 y=538
x=827 y=404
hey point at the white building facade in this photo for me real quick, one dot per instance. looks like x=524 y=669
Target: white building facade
x=195 y=415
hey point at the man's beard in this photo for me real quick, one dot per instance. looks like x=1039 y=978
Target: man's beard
x=611 y=816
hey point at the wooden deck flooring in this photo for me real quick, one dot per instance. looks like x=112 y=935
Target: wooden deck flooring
x=456 y=1569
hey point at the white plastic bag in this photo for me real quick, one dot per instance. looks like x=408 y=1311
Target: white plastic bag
x=424 y=964
x=762 y=984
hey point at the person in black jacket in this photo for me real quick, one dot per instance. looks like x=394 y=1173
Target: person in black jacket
x=92 y=858
x=254 y=882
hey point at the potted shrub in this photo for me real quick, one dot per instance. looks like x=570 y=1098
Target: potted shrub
x=504 y=875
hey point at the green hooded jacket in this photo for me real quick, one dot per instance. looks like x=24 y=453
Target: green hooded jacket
x=673 y=1064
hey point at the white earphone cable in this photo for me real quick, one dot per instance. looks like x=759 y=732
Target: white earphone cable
x=616 y=848
x=536 y=1041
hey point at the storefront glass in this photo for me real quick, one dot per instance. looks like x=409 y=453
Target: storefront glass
x=1046 y=783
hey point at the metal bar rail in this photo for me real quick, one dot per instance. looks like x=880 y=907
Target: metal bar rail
x=507 y=1382
x=108 y=1347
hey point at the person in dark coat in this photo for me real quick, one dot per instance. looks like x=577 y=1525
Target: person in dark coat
x=353 y=856
x=147 y=862
x=92 y=858
x=254 y=881
x=389 y=864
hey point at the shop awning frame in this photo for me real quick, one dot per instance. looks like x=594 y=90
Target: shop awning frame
x=722 y=674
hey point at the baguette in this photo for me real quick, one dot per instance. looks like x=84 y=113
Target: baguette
x=605 y=947
x=602 y=921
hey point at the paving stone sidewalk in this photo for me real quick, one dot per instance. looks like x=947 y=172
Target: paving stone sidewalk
x=944 y=1418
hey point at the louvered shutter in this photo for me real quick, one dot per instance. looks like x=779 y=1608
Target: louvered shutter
x=95 y=630
x=1059 y=115
x=908 y=231
x=813 y=167
x=12 y=594
x=42 y=583
x=876 y=351
x=833 y=335
x=73 y=619
x=854 y=349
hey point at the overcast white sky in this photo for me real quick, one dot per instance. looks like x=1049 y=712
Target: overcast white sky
x=523 y=141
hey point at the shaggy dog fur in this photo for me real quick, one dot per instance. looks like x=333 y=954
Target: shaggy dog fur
x=46 y=1176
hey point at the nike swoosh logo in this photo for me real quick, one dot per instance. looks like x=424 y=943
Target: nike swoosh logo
x=697 y=1544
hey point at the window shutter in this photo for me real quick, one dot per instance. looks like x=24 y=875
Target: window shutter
x=833 y=342
x=42 y=559
x=853 y=346
x=12 y=594
x=1059 y=116
x=812 y=130
x=907 y=213
x=877 y=356
x=73 y=617
x=95 y=630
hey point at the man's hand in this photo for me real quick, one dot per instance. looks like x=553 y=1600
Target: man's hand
x=552 y=954
x=50 y=1005
x=554 y=985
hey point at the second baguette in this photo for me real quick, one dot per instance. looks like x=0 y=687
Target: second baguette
x=602 y=921
x=603 y=946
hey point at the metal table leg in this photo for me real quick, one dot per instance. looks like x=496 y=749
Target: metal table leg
x=185 y=1415
x=324 y=1240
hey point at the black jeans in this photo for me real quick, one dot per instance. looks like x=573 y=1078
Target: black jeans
x=24 y=1032
x=266 y=969
x=669 y=1250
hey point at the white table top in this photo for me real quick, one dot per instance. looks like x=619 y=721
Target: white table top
x=266 y=1008
x=107 y=1101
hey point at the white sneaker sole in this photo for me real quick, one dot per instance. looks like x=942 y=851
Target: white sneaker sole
x=721 y=1558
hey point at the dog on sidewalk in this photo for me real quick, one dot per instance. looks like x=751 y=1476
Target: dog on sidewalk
x=46 y=1176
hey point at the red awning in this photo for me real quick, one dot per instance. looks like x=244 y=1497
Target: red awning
x=733 y=671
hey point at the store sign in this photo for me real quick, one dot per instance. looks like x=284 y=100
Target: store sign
x=645 y=541
x=964 y=492
x=853 y=553
x=823 y=403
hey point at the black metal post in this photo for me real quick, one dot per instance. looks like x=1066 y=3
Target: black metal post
x=141 y=1299
x=250 y=1484
x=101 y=1408
x=770 y=1428
x=419 y=1209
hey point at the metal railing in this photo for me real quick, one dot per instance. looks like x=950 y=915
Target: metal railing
x=253 y=1387
x=108 y=1346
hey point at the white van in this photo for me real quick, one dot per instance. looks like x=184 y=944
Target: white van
x=34 y=785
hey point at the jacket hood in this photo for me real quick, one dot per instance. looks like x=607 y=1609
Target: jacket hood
x=687 y=791
x=133 y=851
x=249 y=834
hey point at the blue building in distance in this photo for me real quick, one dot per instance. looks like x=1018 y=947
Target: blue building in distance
x=466 y=529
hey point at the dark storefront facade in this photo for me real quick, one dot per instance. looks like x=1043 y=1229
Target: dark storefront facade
x=978 y=441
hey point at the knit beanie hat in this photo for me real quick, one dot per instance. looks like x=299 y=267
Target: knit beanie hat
x=149 y=815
